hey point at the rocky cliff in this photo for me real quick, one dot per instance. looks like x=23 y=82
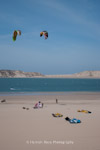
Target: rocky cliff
x=18 y=74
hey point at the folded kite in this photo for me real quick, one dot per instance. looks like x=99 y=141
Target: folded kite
x=57 y=115
x=74 y=120
x=85 y=111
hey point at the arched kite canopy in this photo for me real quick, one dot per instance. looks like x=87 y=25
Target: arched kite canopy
x=15 y=33
x=45 y=33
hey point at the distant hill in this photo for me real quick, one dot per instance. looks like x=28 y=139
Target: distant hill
x=85 y=74
x=95 y=74
x=90 y=74
x=21 y=74
x=18 y=74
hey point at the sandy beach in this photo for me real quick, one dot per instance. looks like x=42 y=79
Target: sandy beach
x=22 y=129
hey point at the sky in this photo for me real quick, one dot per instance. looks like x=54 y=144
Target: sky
x=73 y=27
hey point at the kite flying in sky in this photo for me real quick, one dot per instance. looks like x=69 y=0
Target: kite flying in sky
x=45 y=33
x=16 y=32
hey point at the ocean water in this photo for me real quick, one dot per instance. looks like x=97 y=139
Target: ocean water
x=35 y=85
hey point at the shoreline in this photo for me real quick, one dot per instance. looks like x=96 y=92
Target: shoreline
x=62 y=97
x=47 y=93
x=52 y=77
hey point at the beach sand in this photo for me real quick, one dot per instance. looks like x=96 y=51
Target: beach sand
x=22 y=129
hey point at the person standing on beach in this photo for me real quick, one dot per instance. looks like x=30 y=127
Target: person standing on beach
x=56 y=101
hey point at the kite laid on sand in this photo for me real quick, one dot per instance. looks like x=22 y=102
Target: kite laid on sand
x=57 y=115
x=74 y=120
x=84 y=111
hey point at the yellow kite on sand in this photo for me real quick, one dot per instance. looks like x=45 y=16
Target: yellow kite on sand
x=57 y=115
x=85 y=111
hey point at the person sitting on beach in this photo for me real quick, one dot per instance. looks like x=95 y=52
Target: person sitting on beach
x=36 y=105
x=39 y=104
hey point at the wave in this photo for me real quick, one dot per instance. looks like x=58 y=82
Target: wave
x=12 y=89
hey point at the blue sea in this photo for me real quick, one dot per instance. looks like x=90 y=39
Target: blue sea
x=40 y=85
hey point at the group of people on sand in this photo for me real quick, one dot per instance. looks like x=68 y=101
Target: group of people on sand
x=38 y=105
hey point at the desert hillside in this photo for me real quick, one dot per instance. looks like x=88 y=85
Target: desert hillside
x=85 y=74
x=21 y=74
x=18 y=74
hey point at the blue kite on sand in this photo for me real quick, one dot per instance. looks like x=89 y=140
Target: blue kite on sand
x=74 y=120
